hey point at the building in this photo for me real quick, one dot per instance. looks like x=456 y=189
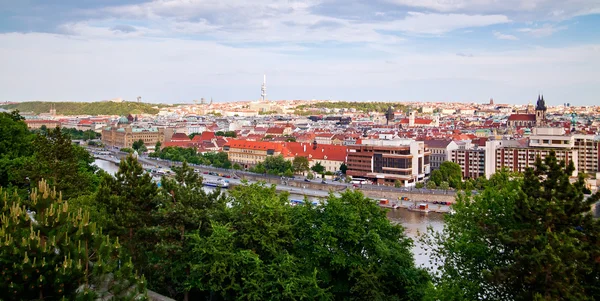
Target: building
x=518 y=159
x=471 y=159
x=250 y=153
x=386 y=161
x=413 y=122
x=530 y=119
x=329 y=156
x=34 y=124
x=123 y=135
x=587 y=147
x=441 y=151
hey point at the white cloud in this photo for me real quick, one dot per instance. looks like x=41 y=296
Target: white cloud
x=543 y=31
x=180 y=70
x=288 y=21
x=502 y=36
x=426 y=23
x=515 y=9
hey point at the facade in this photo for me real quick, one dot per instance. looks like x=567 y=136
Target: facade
x=441 y=151
x=250 y=153
x=587 y=147
x=386 y=161
x=123 y=135
x=519 y=158
x=471 y=159
x=34 y=124
x=329 y=156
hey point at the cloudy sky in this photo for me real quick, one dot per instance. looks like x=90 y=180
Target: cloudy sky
x=387 y=50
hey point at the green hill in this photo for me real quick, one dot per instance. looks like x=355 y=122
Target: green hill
x=86 y=108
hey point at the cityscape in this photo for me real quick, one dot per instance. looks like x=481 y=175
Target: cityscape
x=300 y=150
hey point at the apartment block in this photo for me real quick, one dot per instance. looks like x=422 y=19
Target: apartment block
x=386 y=161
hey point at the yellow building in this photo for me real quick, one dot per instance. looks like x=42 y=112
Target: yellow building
x=123 y=135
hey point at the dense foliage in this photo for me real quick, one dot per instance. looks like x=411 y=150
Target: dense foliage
x=180 y=154
x=529 y=237
x=231 y=134
x=50 y=252
x=86 y=108
x=74 y=134
x=365 y=107
x=274 y=165
x=26 y=158
x=345 y=249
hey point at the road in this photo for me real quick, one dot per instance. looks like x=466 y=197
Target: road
x=329 y=186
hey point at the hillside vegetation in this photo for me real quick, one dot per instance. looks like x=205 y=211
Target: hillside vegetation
x=86 y=108
x=359 y=106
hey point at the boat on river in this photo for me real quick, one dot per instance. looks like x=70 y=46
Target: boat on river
x=422 y=207
x=385 y=203
x=218 y=183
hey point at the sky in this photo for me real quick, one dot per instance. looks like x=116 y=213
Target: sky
x=175 y=51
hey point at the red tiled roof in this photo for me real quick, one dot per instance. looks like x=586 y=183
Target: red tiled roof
x=180 y=137
x=256 y=145
x=522 y=117
x=330 y=152
x=205 y=136
x=278 y=131
x=85 y=121
x=184 y=144
x=417 y=121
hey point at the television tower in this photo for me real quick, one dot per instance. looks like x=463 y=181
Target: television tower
x=263 y=89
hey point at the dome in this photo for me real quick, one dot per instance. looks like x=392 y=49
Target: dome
x=123 y=120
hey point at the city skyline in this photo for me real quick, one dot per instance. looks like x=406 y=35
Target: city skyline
x=389 y=50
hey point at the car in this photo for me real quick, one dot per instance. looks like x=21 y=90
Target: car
x=205 y=172
x=306 y=180
x=323 y=182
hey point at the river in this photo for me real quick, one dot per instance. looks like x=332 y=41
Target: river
x=413 y=222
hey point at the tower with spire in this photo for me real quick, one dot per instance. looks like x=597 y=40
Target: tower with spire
x=540 y=111
x=263 y=89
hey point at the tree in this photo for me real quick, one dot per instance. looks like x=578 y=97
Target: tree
x=419 y=185
x=139 y=146
x=522 y=238
x=15 y=146
x=397 y=184
x=310 y=176
x=451 y=173
x=288 y=173
x=250 y=256
x=357 y=252
x=444 y=185
x=300 y=164
x=129 y=198
x=157 y=147
x=318 y=168
x=49 y=252
x=343 y=168
x=236 y=166
x=182 y=208
x=64 y=165
x=436 y=177
x=431 y=185
x=267 y=250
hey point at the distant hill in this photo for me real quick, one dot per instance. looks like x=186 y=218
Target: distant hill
x=86 y=108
